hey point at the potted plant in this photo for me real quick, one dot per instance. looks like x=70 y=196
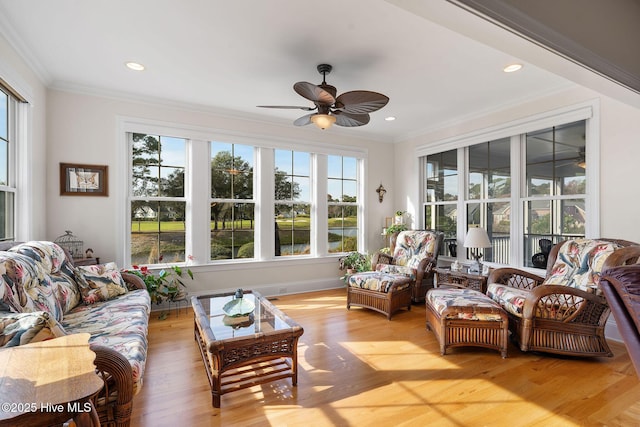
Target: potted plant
x=399 y=217
x=167 y=285
x=355 y=262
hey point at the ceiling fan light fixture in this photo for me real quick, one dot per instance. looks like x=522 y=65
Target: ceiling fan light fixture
x=323 y=121
x=511 y=68
x=135 y=66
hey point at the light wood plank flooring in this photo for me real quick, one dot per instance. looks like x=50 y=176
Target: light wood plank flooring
x=359 y=369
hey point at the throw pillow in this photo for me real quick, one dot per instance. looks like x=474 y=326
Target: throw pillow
x=100 y=282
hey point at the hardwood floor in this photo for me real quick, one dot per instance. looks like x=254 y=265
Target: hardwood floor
x=359 y=369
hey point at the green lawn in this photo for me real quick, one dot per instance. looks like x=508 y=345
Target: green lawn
x=303 y=223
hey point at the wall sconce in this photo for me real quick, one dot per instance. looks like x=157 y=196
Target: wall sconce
x=381 y=192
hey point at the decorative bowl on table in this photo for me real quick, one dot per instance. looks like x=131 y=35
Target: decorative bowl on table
x=238 y=322
x=238 y=306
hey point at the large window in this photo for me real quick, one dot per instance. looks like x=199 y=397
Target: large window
x=554 y=203
x=8 y=110
x=441 y=196
x=158 y=203
x=489 y=195
x=232 y=202
x=548 y=204
x=292 y=177
x=342 y=199
x=208 y=197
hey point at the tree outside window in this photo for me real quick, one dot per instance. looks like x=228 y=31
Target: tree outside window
x=293 y=202
x=342 y=203
x=158 y=204
x=232 y=204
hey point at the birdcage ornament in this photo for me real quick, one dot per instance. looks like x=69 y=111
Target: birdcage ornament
x=71 y=244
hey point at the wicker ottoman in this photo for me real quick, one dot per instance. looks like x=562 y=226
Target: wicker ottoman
x=382 y=292
x=464 y=317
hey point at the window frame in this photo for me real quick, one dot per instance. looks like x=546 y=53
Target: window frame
x=198 y=164
x=157 y=198
x=341 y=203
x=13 y=115
x=516 y=130
x=232 y=199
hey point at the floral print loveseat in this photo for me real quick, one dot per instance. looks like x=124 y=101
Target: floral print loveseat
x=43 y=296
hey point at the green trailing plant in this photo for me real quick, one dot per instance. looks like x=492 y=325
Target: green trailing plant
x=355 y=261
x=395 y=228
x=167 y=285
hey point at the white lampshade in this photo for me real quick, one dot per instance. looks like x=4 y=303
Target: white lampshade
x=323 y=121
x=477 y=238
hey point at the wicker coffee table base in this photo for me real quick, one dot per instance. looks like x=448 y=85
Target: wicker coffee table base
x=235 y=363
x=455 y=332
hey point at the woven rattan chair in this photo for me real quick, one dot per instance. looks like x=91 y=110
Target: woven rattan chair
x=397 y=279
x=401 y=250
x=621 y=287
x=564 y=312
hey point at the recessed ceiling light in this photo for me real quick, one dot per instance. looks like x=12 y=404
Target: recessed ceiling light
x=511 y=68
x=390 y=118
x=135 y=66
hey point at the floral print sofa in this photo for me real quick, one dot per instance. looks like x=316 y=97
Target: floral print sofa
x=43 y=296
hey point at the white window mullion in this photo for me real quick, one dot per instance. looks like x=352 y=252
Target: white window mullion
x=319 y=206
x=198 y=211
x=461 y=226
x=518 y=189
x=592 y=158
x=263 y=184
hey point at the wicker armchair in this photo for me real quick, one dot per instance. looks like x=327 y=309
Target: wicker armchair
x=621 y=287
x=564 y=312
x=399 y=256
x=397 y=279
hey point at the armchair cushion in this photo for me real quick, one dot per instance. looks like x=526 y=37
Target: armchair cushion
x=413 y=246
x=510 y=299
x=397 y=269
x=375 y=281
x=456 y=300
x=579 y=264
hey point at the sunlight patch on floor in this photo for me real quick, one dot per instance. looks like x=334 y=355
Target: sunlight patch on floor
x=397 y=355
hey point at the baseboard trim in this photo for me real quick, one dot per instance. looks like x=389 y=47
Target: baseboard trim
x=268 y=290
x=611 y=330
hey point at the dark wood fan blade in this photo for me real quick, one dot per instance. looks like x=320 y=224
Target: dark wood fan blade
x=304 y=120
x=288 y=107
x=314 y=93
x=351 y=120
x=360 y=102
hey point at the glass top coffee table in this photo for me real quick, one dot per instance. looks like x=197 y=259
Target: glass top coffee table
x=244 y=351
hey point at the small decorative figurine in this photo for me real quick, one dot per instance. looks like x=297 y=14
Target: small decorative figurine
x=89 y=253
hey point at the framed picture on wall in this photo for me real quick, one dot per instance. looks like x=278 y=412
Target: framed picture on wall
x=83 y=180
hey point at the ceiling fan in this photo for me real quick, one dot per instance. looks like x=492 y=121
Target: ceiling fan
x=349 y=109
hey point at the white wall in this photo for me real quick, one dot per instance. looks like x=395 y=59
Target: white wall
x=81 y=128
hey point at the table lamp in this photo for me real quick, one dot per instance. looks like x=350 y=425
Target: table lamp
x=476 y=238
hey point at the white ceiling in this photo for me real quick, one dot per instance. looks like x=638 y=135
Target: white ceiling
x=230 y=56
